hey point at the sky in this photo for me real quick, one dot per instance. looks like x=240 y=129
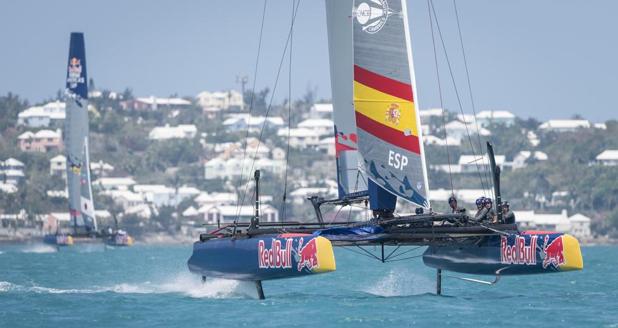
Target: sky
x=537 y=58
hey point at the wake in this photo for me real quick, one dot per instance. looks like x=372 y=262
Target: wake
x=39 y=249
x=183 y=284
x=401 y=283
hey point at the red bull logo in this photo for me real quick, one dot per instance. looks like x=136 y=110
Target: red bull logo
x=518 y=252
x=554 y=252
x=276 y=257
x=307 y=255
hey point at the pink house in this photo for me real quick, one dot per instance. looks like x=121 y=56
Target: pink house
x=41 y=141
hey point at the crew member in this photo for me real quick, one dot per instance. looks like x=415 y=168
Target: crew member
x=490 y=214
x=452 y=202
x=507 y=215
x=481 y=210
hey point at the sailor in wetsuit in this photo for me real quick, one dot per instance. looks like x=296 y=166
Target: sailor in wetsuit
x=508 y=216
x=452 y=202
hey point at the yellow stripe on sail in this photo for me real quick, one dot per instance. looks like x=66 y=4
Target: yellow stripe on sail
x=388 y=110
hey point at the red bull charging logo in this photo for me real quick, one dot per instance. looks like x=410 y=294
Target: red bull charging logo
x=553 y=253
x=518 y=252
x=307 y=255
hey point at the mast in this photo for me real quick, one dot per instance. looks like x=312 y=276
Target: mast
x=386 y=110
x=495 y=173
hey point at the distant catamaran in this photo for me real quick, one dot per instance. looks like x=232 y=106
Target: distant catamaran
x=76 y=130
x=380 y=158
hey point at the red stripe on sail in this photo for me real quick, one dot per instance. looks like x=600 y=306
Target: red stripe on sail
x=383 y=83
x=388 y=134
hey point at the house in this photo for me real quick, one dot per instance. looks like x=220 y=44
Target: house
x=101 y=169
x=319 y=126
x=50 y=114
x=608 y=157
x=564 y=125
x=521 y=159
x=448 y=141
x=300 y=137
x=182 y=131
x=160 y=195
x=244 y=122
x=488 y=117
x=216 y=198
x=8 y=188
x=58 y=166
x=472 y=163
x=236 y=167
x=221 y=100
x=41 y=141
x=327 y=145
x=126 y=198
x=578 y=225
x=300 y=195
x=426 y=114
x=107 y=183
x=11 y=173
x=323 y=110
x=459 y=130
x=221 y=214
x=154 y=103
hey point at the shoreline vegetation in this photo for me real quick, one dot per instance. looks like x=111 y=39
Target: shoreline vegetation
x=547 y=171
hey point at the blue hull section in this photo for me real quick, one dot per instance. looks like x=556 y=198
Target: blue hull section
x=262 y=257
x=513 y=254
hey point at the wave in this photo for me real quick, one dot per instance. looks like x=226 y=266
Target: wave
x=401 y=282
x=39 y=249
x=183 y=284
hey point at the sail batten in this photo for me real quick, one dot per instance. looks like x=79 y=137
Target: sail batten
x=386 y=114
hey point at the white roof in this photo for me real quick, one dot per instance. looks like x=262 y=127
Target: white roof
x=541 y=219
x=297 y=132
x=216 y=197
x=601 y=126
x=8 y=188
x=253 y=120
x=431 y=112
x=316 y=123
x=191 y=211
x=303 y=192
x=495 y=114
x=100 y=165
x=466 y=118
x=322 y=108
x=13 y=173
x=565 y=124
x=164 y=101
x=471 y=159
x=13 y=162
x=579 y=218
x=169 y=132
x=608 y=155
x=39 y=134
x=58 y=158
x=433 y=140
x=124 y=181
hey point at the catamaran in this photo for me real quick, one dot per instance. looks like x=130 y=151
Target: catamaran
x=81 y=206
x=380 y=158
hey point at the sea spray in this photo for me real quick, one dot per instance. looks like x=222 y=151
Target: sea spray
x=401 y=282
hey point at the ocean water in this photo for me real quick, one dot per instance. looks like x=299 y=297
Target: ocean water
x=150 y=286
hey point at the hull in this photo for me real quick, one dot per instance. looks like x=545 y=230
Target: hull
x=512 y=254
x=262 y=257
x=58 y=240
x=120 y=240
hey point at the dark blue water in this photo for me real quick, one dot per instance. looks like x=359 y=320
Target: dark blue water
x=149 y=286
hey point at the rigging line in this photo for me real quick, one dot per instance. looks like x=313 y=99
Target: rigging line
x=448 y=62
x=463 y=52
x=371 y=256
x=435 y=57
x=255 y=73
x=270 y=103
x=405 y=252
x=287 y=152
x=406 y=258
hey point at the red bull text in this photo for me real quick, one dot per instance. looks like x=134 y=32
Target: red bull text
x=518 y=252
x=307 y=255
x=276 y=257
x=554 y=252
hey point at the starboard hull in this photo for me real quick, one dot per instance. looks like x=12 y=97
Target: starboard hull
x=263 y=257
x=513 y=254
